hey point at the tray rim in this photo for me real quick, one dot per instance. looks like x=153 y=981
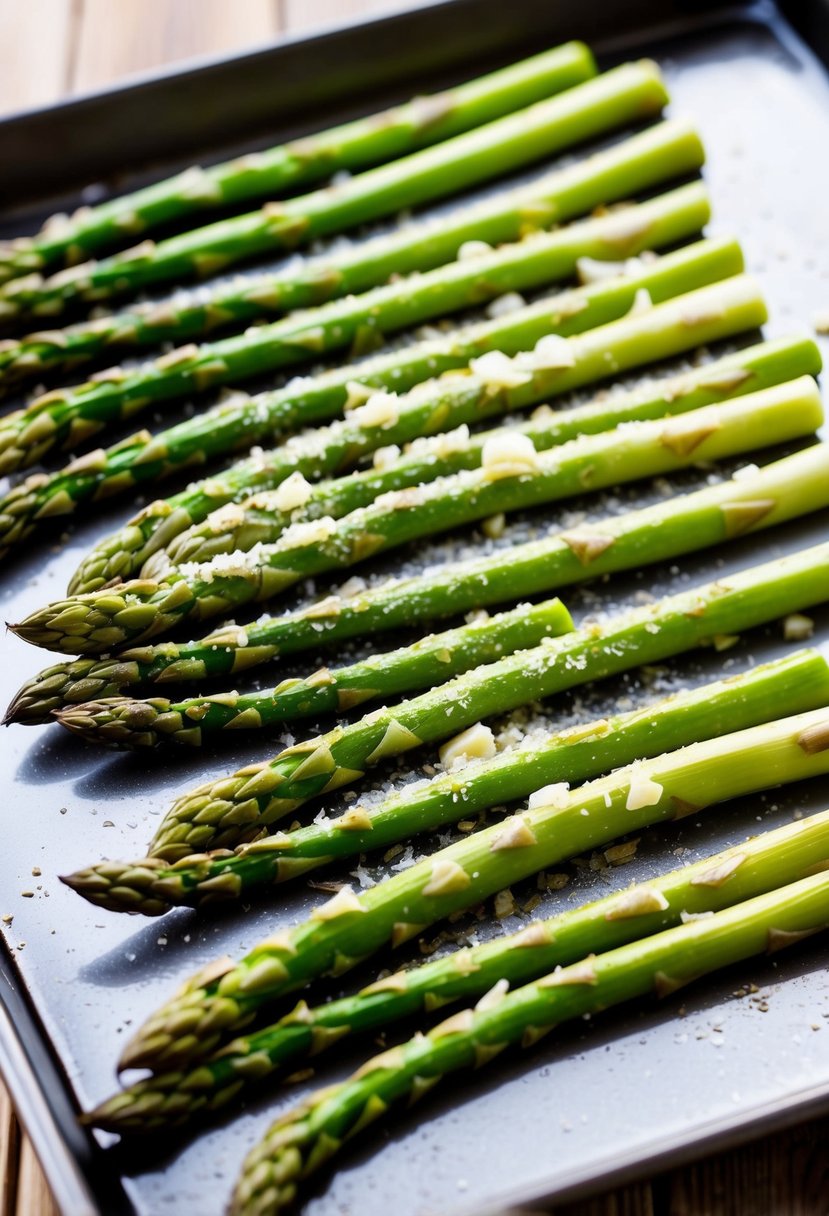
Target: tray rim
x=36 y=1079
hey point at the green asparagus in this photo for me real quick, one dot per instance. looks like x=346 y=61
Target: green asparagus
x=213 y=1005
x=427 y=662
x=625 y=95
x=790 y=487
x=667 y=150
x=310 y=1134
x=65 y=417
x=66 y=240
x=512 y=476
x=237 y=807
x=767 y=862
x=264 y=518
x=572 y=755
x=720 y=312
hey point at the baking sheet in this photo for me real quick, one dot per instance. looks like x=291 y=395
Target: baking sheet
x=594 y=1098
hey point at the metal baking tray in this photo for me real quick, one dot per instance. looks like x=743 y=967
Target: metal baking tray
x=622 y=1095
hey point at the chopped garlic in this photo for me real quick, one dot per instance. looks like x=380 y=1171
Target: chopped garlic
x=358 y=394
x=549 y=354
x=386 y=458
x=504 y=305
x=592 y=270
x=643 y=791
x=476 y=743
x=497 y=370
x=554 y=795
x=473 y=249
x=292 y=493
x=508 y=454
x=821 y=323
x=308 y=532
x=797 y=627
x=746 y=472
x=381 y=409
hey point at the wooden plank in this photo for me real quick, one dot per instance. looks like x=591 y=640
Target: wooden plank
x=33 y=1195
x=298 y=15
x=116 y=40
x=9 y=1154
x=38 y=37
x=787 y=1175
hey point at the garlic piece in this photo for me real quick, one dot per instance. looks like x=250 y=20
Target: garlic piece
x=508 y=454
x=292 y=493
x=475 y=743
x=497 y=370
x=643 y=791
x=555 y=795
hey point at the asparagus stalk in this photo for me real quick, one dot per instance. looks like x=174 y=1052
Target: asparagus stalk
x=573 y=755
x=509 y=480
x=309 y=1134
x=764 y=863
x=236 y=808
x=213 y=1004
x=427 y=662
x=64 y=417
x=669 y=149
x=732 y=307
x=791 y=487
x=264 y=518
x=625 y=95
x=258 y=518
x=66 y=240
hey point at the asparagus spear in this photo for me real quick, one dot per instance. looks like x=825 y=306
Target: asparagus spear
x=309 y=1134
x=510 y=478
x=66 y=240
x=669 y=149
x=213 y=1004
x=767 y=862
x=237 y=807
x=240 y=527
x=794 y=486
x=429 y=661
x=625 y=95
x=64 y=417
x=572 y=755
x=263 y=519
x=720 y=312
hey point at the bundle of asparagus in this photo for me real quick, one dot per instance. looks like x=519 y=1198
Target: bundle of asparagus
x=310 y=1134
x=789 y=487
x=311 y=506
x=151 y=886
x=628 y=94
x=65 y=417
x=241 y=421
x=719 y=311
x=768 y=862
x=66 y=240
x=669 y=149
x=511 y=476
x=220 y=1000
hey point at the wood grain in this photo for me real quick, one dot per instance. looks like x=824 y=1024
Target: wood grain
x=33 y=70
x=55 y=47
x=116 y=40
x=304 y=15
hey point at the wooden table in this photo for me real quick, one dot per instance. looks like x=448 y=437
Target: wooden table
x=51 y=48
